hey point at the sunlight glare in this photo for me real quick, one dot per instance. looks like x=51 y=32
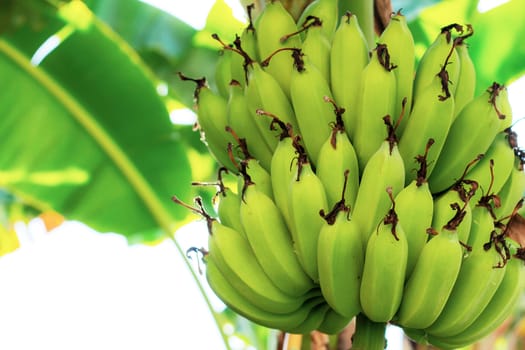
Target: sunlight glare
x=487 y=5
x=195 y=13
x=183 y=116
x=45 y=49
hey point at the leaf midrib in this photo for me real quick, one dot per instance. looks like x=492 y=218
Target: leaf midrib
x=101 y=137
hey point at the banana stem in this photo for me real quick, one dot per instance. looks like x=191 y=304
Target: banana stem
x=368 y=335
x=364 y=10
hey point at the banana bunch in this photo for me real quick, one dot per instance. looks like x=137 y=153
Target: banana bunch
x=361 y=184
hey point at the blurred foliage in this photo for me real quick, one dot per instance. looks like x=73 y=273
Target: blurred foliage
x=91 y=135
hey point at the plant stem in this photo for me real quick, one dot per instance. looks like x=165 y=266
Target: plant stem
x=368 y=335
x=364 y=10
x=202 y=291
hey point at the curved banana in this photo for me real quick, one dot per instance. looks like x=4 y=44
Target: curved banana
x=307 y=198
x=378 y=83
x=240 y=120
x=333 y=322
x=212 y=116
x=308 y=91
x=262 y=92
x=327 y=11
x=317 y=47
x=505 y=109
x=383 y=278
x=398 y=38
x=248 y=42
x=429 y=287
x=479 y=277
x=238 y=303
x=431 y=117
x=482 y=120
x=249 y=167
x=223 y=72
x=335 y=157
x=466 y=84
x=281 y=169
x=460 y=193
x=482 y=223
x=229 y=205
x=416 y=219
x=314 y=319
x=512 y=191
x=271 y=242
x=234 y=257
x=384 y=169
x=340 y=259
x=492 y=171
x=502 y=304
x=272 y=25
x=345 y=78
x=440 y=56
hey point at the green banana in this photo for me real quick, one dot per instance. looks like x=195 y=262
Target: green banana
x=333 y=322
x=238 y=303
x=482 y=222
x=429 y=287
x=398 y=38
x=494 y=168
x=505 y=109
x=481 y=119
x=229 y=205
x=223 y=72
x=249 y=167
x=263 y=92
x=383 y=278
x=212 y=116
x=378 y=83
x=431 y=117
x=248 y=41
x=307 y=198
x=340 y=259
x=234 y=257
x=271 y=242
x=384 y=169
x=512 y=190
x=416 y=219
x=439 y=57
x=281 y=168
x=466 y=84
x=460 y=193
x=314 y=319
x=500 y=307
x=240 y=120
x=327 y=11
x=273 y=24
x=335 y=156
x=308 y=91
x=317 y=47
x=479 y=277
x=345 y=76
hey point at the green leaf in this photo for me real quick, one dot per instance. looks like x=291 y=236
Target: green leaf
x=86 y=134
x=147 y=29
x=497 y=45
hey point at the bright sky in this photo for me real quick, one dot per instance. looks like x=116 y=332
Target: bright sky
x=76 y=289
